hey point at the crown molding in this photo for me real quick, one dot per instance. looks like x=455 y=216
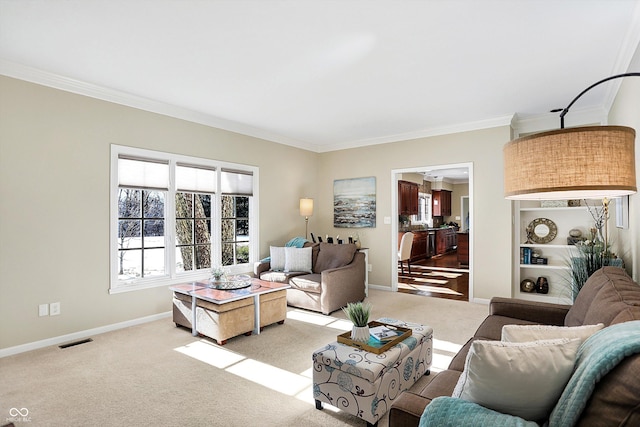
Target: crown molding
x=525 y=124
x=424 y=133
x=44 y=78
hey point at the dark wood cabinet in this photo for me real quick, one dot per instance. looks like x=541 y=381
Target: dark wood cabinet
x=441 y=203
x=446 y=240
x=463 y=248
x=407 y=198
x=420 y=248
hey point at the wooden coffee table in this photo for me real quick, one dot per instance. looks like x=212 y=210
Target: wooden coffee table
x=222 y=314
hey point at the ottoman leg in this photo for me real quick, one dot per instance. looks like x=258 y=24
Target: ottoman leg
x=318 y=404
x=372 y=425
x=428 y=372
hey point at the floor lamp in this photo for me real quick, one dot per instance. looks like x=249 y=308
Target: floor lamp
x=306 y=210
x=592 y=162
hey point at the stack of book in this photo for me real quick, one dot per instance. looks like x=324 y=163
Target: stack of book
x=383 y=333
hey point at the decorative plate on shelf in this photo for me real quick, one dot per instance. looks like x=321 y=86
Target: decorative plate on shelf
x=543 y=230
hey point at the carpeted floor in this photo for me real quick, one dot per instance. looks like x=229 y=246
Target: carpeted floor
x=159 y=375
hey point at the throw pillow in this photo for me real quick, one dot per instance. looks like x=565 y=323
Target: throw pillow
x=524 y=333
x=297 y=259
x=521 y=379
x=277 y=258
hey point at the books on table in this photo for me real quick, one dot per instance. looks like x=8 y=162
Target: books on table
x=383 y=333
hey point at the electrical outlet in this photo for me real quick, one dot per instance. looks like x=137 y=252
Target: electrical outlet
x=369 y=267
x=43 y=310
x=54 y=308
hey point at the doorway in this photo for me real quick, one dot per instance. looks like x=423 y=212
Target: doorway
x=438 y=274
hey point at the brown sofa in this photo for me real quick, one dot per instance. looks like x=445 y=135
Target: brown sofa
x=609 y=296
x=337 y=278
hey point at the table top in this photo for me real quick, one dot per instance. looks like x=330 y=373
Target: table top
x=204 y=290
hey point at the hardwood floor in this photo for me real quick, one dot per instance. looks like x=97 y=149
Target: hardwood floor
x=439 y=277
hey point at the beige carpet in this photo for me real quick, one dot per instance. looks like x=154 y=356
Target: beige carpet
x=159 y=375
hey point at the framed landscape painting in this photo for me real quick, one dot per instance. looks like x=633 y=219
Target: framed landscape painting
x=354 y=203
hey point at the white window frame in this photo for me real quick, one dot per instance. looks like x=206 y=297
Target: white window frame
x=172 y=277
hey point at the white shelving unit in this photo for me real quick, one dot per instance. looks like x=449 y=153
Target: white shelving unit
x=557 y=251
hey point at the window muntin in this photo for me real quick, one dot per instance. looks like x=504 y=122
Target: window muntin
x=193 y=232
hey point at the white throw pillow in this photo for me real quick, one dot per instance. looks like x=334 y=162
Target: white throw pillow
x=521 y=379
x=278 y=258
x=524 y=333
x=297 y=259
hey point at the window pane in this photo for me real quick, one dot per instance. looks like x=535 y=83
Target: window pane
x=242 y=253
x=129 y=203
x=203 y=206
x=242 y=207
x=129 y=234
x=153 y=262
x=228 y=230
x=184 y=258
x=202 y=231
x=129 y=264
x=184 y=205
x=184 y=231
x=242 y=229
x=227 y=253
x=153 y=204
x=203 y=256
x=154 y=233
x=228 y=207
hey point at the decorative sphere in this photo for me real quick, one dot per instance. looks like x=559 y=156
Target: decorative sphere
x=527 y=285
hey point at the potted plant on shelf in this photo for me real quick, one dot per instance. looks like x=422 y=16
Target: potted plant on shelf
x=358 y=313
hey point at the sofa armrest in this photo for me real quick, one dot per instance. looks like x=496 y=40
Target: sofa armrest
x=407 y=408
x=343 y=284
x=260 y=267
x=533 y=311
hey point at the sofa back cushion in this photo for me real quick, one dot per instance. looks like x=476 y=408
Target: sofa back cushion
x=608 y=293
x=334 y=256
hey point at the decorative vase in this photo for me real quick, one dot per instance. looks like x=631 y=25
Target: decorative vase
x=360 y=333
x=542 y=285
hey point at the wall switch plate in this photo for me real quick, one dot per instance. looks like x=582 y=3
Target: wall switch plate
x=54 y=308
x=387 y=220
x=457 y=218
x=369 y=267
x=43 y=310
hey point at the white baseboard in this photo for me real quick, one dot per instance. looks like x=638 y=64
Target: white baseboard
x=10 y=351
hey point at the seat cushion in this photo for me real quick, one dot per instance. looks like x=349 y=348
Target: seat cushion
x=334 y=256
x=279 y=276
x=307 y=283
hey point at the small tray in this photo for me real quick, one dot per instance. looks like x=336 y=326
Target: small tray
x=373 y=345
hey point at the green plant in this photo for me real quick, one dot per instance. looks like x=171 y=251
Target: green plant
x=358 y=313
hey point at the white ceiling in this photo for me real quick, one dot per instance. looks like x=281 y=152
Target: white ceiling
x=326 y=75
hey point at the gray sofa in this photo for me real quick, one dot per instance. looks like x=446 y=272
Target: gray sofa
x=609 y=296
x=337 y=278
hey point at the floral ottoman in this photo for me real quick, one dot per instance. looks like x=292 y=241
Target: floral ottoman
x=365 y=384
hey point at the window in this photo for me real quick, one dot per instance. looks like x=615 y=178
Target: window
x=175 y=217
x=424 y=209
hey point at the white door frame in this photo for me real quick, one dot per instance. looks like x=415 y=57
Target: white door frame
x=394 y=216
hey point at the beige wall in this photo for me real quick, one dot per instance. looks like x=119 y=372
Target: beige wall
x=626 y=112
x=492 y=262
x=54 y=214
x=457 y=192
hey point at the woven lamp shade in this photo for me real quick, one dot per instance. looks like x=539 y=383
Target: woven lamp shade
x=576 y=163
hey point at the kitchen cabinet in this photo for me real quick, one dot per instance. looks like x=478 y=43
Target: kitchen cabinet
x=407 y=198
x=446 y=240
x=463 y=248
x=420 y=249
x=441 y=202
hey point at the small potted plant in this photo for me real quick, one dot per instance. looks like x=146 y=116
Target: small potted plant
x=358 y=313
x=217 y=274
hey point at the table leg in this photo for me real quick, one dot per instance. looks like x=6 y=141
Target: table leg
x=256 y=316
x=194 y=330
